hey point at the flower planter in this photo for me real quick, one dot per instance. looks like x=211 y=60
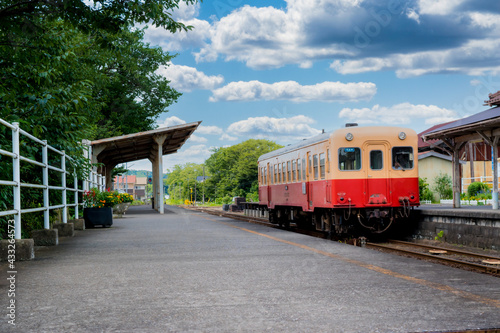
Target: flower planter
x=121 y=208
x=98 y=216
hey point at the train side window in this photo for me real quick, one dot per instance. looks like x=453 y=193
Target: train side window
x=349 y=159
x=315 y=166
x=289 y=171
x=279 y=173
x=310 y=165
x=284 y=172
x=271 y=173
x=265 y=175
x=298 y=169
x=276 y=174
x=294 y=176
x=322 y=165
x=328 y=160
x=376 y=160
x=402 y=158
x=303 y=169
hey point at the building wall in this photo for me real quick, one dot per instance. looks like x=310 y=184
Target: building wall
x=430 y=167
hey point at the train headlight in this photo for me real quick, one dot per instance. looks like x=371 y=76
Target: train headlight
x=349 y=136
x=402 y=135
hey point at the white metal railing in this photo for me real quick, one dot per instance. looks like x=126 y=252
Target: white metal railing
x=484 y=179
x=95 y=180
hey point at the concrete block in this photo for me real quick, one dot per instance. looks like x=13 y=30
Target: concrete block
x=65 y=229
x=78 y=224
x=45 y=237
x=24 y=249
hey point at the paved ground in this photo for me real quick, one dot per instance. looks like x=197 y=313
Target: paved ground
x=190 y=272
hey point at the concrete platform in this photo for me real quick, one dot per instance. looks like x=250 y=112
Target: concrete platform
x=476 y=226
x=190 y=272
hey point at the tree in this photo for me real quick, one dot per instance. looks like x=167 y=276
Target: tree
x=234 y=169
x=71 y=71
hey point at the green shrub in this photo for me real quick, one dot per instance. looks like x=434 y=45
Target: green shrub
x=477 y=187
x=444 y=186
x=424 y=192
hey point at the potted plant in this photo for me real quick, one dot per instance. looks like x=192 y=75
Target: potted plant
x=123 y=202
x=98 y=208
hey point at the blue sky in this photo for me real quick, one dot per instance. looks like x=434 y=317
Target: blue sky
x=285 y=70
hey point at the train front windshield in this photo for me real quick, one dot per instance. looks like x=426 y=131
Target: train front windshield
x=402 y=158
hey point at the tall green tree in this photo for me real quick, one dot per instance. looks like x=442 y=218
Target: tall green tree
x=234 y=169
x=73 y=70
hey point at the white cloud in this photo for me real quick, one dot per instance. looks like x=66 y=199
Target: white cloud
x=293 y=91
x=475 y=82
x=211 y=130
x=400 y=114
x=171 y=121
x=438 y=7
x=412 y=14
x=181 y=40
x=227 y=137
x=198 y=139
x=284 y=129
x=304 y=31
x=466 y=58
x=268 y=37
x=186 y=79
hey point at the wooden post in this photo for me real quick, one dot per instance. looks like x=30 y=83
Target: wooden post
x=471 y=161
x=494 y=159
x=456 y=177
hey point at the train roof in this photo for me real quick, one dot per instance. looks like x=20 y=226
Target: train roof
x=292 y=147
x=366 y=132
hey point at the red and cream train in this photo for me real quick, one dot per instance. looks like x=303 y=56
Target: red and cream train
x=355 y=177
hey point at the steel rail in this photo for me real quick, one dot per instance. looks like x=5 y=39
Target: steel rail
x=475 y=266
x=452 y=251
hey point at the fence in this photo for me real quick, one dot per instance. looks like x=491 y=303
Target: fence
x=94 y=179
x=484 y=179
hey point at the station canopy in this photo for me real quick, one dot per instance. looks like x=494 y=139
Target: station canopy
x=483 y=126
x=142 y=145
x=151 y=145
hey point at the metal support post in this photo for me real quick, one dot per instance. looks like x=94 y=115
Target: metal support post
x=17 y=179
x=75 y=180
x=494 y=162
x=63 y=182
x=46 y=204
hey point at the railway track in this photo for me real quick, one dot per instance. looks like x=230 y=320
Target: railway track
x=453 y=257
x=447 y=256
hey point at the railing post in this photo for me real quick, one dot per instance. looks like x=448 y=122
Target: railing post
x=75 y=181
x=46 y=204
x=16 y=177
x=63 y=182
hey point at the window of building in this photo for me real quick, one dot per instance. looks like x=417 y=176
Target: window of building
x=376 y=160
x=402 y=158
x=349 y=159
x=315 y=166
x=322 y=165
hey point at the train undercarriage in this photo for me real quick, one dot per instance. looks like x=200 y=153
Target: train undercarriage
x=341 y=221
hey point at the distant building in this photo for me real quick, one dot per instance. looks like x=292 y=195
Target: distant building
x=135 y=186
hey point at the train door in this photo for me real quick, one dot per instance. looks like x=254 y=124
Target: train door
x=377 y=180
x=308 y=180
x=269 y=182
